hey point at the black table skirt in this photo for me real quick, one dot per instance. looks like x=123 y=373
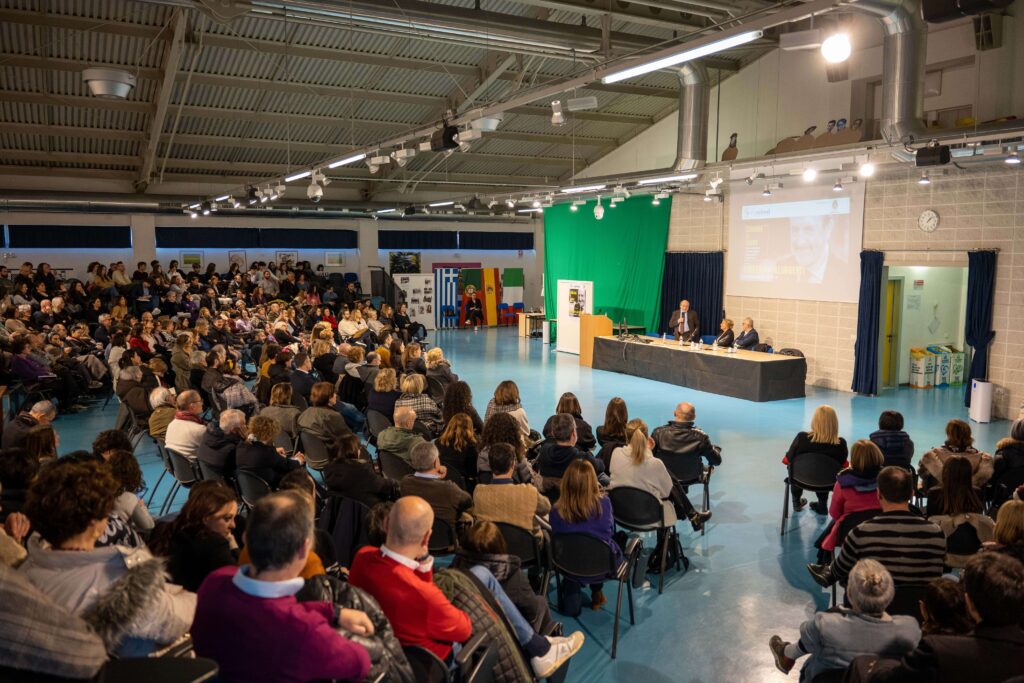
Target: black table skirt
x=716 y=373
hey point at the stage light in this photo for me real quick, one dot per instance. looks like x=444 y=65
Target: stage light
x=402 y=156
x=535 y=203
x=708 y=196
x=684 y=56
x=866 y=170
x=810 y=174
x=574 y=208
x=346 y=160
x=836 y=48
x=838 y=187
x=715 y=182
x=924 y=179
x=298 y=176
x=281 y=189
x=767 y=192
x=1013 y=158
x=510 y=204
x=214 y=206
x=235 y=203
x=655 y=201
x=557 y=117
x=254 y=195
x=193 y=214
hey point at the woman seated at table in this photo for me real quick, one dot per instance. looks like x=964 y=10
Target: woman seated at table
x=727 y=337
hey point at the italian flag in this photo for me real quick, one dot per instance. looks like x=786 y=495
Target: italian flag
x=512 y=286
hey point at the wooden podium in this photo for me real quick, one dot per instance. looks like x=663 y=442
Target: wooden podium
x=592 y=326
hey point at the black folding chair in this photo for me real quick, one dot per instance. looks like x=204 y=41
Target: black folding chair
x=689 y=470
x=250 y=487
x=393 y=466
x=907 y=600
x=474 y=663
x=815 y=472
x=435 y=389
x=640 y=511
x=315 y=451
x=443 y=540
x=167 y=469
x=531 y=551
x=285 y=441
x=577 y=554
x=185 y=473
x=376 y=422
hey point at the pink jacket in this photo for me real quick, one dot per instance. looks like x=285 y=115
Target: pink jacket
x=847 y=499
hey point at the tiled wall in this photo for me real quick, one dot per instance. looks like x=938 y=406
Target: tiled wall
x=981 y=208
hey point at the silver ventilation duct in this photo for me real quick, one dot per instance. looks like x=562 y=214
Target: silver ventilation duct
x=903 y=66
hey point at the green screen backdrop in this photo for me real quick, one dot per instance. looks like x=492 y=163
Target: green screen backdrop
x=623 y=254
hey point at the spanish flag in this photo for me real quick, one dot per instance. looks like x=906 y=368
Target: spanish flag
x=488 y=284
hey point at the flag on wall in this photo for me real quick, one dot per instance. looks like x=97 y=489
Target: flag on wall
x=512 y=286
x=446 y=287
x=488 y=283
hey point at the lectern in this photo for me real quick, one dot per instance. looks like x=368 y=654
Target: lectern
x=592 y=326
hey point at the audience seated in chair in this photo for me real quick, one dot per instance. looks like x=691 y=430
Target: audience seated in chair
x=568 y=403
x=958 y=442
x=1007 y=465
x=909 y=546
x=961 y=519
x=450 y=503
x=458 y=398
x=824 y=439
x=613 y=430
x=895 y=444
x=217 y=451
x=502 y=428
x=348 y=474
x=560 y=451
x=185 y=432
x=164 y=409
x=282 y=410
x=1008 y=534
x=832 y=639
x=15 y=431
x=322 y=418
x=682 y=437
x=400 y=439
x=258 y=454
x=506 y=400
x=856 y=488
x=439 y=368
x=457 y=448
x=249 y=621
x=383 y=393
x=414 y=388
x=503 y=500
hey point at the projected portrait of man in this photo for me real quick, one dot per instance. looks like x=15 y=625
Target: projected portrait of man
x=809 y=243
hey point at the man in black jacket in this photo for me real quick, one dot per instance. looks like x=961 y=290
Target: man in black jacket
x=993 y=652
x=15 y=432
x=681 y=437
x=216 y=450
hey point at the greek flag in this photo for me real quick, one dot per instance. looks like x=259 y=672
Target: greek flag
x=449 y=300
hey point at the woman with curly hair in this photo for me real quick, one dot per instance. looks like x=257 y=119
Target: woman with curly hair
x=121 y=592
x=458 y=398
x=201 y=538
x=128 y=505
x=503 y=428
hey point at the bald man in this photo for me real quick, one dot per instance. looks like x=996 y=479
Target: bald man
x=399 y=575
x=684 y=323
x=680 y=438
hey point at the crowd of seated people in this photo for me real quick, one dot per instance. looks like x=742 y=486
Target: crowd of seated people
x=256 y=582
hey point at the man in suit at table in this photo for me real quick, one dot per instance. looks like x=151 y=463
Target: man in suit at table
x=747 y=338
x=684 y=323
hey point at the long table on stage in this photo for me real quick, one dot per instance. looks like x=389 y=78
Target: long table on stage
x=745 y=374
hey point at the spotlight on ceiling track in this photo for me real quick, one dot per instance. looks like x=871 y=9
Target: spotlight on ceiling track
x=509 y=203
x=836 y=48
x=866 y=170
x=206 y=208
x=253 y=195
x=402 y=156
x=1013 y=158
x=235 y=202
x=810 y=174
x=281 y=189
x=924 y=179
x=754 y=177
x=193 y=214
x=535 y=203
x=767 y=192
x=557 y=117
x=715 y=182
x=838 y=187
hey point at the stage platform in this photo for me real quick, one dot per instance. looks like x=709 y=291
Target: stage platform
x=748 y=375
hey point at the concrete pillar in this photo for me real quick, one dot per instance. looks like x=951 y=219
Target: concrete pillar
x=143 y=239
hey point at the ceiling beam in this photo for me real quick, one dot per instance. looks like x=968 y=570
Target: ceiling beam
x=495 y=65
x=72 y=132
x=96 y=173
x=163 y=100
x=626 y=11
x=604 y=117
x=75 y=101
x=71 y=157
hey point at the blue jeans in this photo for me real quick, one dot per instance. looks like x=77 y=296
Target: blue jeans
x=524 y=632
x=353 y=417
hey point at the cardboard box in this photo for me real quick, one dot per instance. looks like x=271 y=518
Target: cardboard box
x=922 y=369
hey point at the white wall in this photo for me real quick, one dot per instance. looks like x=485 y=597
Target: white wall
x=357 y=260
x=782 y=93
x=943 y=297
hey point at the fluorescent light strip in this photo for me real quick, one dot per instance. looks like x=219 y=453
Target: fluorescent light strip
x=346 y=160
x=385 y=211
x=666 y=179
x=437 y=204
x=193 y=206
x=298 y=176
x=222 y=198
x=685 y=56
x=537 y=210
x=584 y=188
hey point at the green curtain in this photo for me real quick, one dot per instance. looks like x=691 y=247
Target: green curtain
x=623 y=255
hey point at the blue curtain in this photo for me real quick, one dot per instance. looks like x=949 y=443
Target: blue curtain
x=865 y=350
x=981 y=284
x=418 y=239
x=69 y=236
x=497 y=241
x=698 y=278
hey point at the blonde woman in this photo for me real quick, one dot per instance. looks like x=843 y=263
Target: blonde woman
x=1008 y=536
x=823 y=438
x=635 y=465
x=439 y=368
x=414 y=387
x=506 y=400
x=384 y=393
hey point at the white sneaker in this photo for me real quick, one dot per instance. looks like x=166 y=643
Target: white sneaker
x=561 y=650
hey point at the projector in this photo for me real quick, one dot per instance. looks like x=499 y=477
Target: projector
x=444 y=138
x=933 y=155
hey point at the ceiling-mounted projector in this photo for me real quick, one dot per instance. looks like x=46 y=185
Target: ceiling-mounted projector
x=111 y=84
x=447 y=137
x=933 y=155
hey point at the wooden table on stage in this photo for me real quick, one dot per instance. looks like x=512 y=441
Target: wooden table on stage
x=530 y=323
x=749 y=375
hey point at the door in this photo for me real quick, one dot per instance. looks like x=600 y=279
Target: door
x=890 y=354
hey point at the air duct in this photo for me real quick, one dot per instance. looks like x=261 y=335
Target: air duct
x=903 y=66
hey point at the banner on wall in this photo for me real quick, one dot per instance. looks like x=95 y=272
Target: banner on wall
x=512 y=281
x=446 y=286
x=488 y=283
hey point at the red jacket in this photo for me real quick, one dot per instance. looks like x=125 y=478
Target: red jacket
x=418 y=611
x=847 y=499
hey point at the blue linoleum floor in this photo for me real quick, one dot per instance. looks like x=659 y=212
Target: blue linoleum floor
x=745 y=582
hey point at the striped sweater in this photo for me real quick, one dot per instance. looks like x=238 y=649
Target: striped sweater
x=907 y=544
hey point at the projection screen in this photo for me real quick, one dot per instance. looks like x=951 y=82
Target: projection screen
x=799 y=243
